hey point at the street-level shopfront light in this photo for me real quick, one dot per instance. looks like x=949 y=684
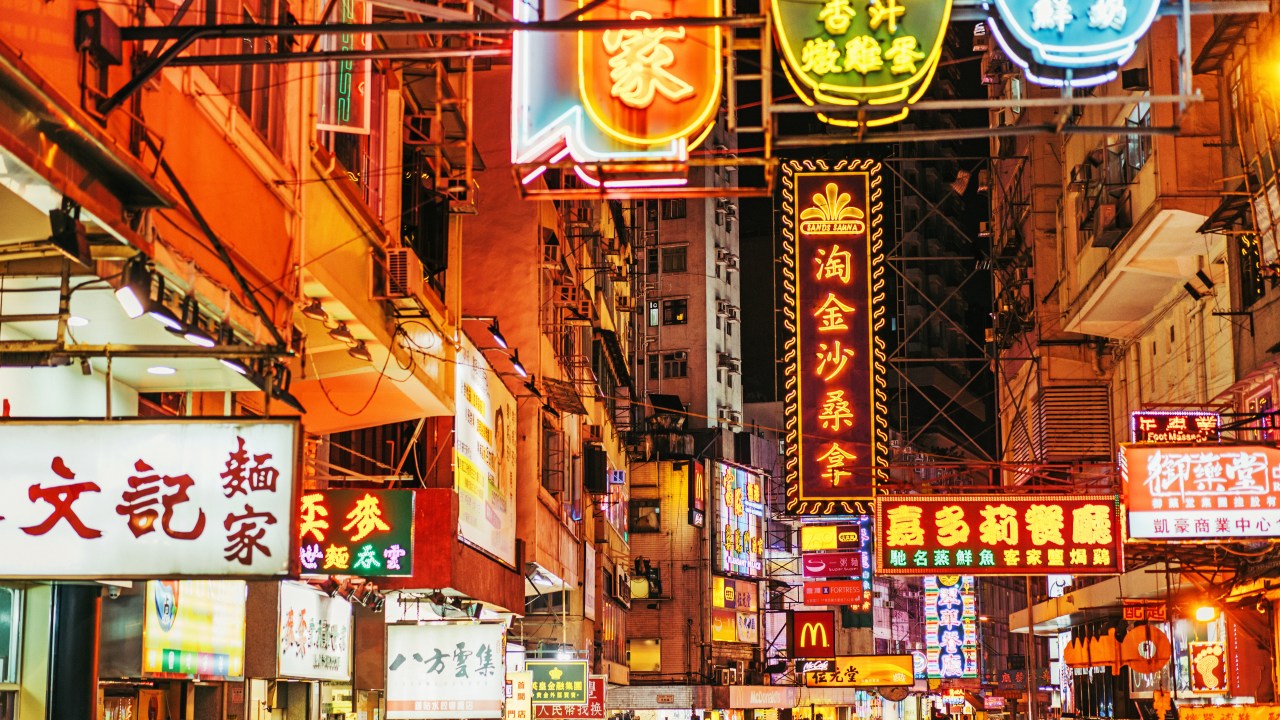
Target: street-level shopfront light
x=134 y=294
x=360 y=351
x=315 y=311
x=342 y=334
x=1206 y=613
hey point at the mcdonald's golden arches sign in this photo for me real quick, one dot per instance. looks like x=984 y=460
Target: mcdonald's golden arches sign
x=811 y=634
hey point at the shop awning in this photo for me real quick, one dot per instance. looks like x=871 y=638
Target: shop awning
x=1105 y=598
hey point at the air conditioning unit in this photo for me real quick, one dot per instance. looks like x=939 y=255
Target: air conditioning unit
x=727 y=675
x=725 y=361
x=733 y=314
x=586 y=306
x=722 y=255
x=722 y=308
x=731 y=262
x=566 y=294
x=1111 y=222
x=404 y=277
x=593 y=434
x=1084 y=174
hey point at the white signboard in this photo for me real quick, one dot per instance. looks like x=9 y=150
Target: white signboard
x=440 y=670
x=485 y=456
x=315 y=634
x=123 y=499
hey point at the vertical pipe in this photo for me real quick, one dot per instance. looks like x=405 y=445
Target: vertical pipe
x=1031 y=656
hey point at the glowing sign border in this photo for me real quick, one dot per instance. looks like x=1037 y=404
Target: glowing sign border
x=861 y=504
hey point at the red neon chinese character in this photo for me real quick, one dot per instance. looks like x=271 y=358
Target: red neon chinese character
x=61 y=497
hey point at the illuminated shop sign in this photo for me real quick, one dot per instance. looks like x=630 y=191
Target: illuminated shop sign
x=1208 y=663
x=1174 y=427
x=838 y=52
x=346 y=87
x=194 y=629
x=825 y=565
x=92 y=499
x=739 y=521
x=356 y=532
x=834 y=592
x=1197 y=493
x=314 y=634
x=558 y=682
x=735 y=610
x=592 y=709
x=950 y=627
x=621 y=96
x=811 y=634
x=998 y=534
x=1076 y=42
x=852 y=543
x=445 y=670
x=860 y=671
x=833 y=243
x=484 y=453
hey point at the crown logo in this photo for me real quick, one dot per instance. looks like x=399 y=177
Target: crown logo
x=556 y=673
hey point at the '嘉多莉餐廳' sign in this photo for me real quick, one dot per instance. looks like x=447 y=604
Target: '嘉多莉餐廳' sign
x=147 y=499
x=998 y=534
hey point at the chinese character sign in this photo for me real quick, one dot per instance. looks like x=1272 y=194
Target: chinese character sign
x=1179 y=427
x=519 y=703
x=739 y=521
x=592 y=709
x=998 y=534
x=631 y=94
x=864 y=671
x=484 y=453
x=950 y=627
x=356 y=532
x=848 y=52
x=835 y=398
x=558 y=682
x=443 y=670
x=125 y=499
x=345 y=88
x=314 y=634
x=194 y=629
x=1198 y=493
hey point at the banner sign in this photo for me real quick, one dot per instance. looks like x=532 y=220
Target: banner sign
x=861 y=671
x=998 y=534
x=1145 y=611
x=1208 y=662
x=558 y=682
x=739 y=520
x=1176 y=427
x=834 y=592
x=519 y=698
x=593 y=709
x=356 y=532
x=194 y=629
x=832 y=244
x=951 y=627
x=125 y=499
x=314 y=639
x=444 y=670
x=811 y=634
x=484 y=456
x=825 y=565
x=834 y=54
x=1199 y=493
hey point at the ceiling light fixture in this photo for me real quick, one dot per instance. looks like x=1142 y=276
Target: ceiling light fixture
x=315 y=310
x=161 y=313
x=360 y=351
x=343 y=334
x=77 y=321
x=235 y=365
x=161 y=370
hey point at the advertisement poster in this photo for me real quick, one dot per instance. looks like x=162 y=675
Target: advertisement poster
x=739 y=518
x=163 y=498
x=356 y=532
x=443 y=670
x=194 y=629
x=485 y=456
x=314 y=634
x=735 y=606
x=520 y=699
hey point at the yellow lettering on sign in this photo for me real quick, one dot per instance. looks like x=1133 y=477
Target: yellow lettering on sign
x=639 y=62
x=903 y=55
x=952 y=529
x=818 y=537
x=904 y=526
x=862 y=53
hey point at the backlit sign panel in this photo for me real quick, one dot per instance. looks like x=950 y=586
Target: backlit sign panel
x=834 y=592
x=147 y=499
x=950 y=627
x=558 y=682
x=837 y=52
x=739 y=518
x=864 y=671
x=998 y=534
x=832 y=243
x=314 y=638
x=735 y=610
x=368 y=533
x=346 y=87
x=825 y=565
x=1174 y=427
x=194 y=629
x=1208 y=664
x=445 y=670
x=621 y=96
x=811 y=634
x=484 y=456
x=592 y=709
x=1199 y=493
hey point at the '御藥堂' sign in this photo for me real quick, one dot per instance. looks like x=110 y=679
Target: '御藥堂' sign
x=998 y=534
x=835 y=398
x=356 y=532
x=92 y=499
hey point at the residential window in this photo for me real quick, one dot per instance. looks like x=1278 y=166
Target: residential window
x=675 y=364
x=645 y=515
x=673 y=209
x=1252 y=287
x=654 y=363
x=644 y=654
x=675 y=312
x=651 y=261
x=675 y=259
x=653 y=313
x=256 y=89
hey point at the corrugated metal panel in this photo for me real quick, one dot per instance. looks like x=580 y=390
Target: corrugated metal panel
x=1073 y=423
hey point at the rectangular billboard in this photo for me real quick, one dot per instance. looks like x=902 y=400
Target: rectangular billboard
x=1195 y=493
x=356 y=532
x=951 y=627
x=865 y=671
x=811 y=634
x=445 y=670
x=559 y=682
x=829 y=565
x=832 y=246
x=834 y=592
x=148 y=499
x=592 y=709
x=739 y=517
x=314 y=639
x=485 y=456
x=194 y=629
x=998 y=534
x=735 y=610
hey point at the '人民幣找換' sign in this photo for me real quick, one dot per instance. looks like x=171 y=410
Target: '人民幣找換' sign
x=592 y=709
x=145 y=499
x=356 y=532
x=998 y=534
x=832 y=243
x=1194 y=493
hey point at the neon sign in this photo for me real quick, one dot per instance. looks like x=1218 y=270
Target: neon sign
x=620 y=97
x=1070 y=42
x=1177 y=426
x=835 y=402
x=998 y=534
x=740 y=516
x=838 y=53
x=950 y=623
x=356 y=532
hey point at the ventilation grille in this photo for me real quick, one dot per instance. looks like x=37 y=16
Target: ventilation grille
x=1073 y=424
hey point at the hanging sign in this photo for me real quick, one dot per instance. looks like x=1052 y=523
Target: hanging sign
x=356 y=532
x=1208 y=662
x=861 y=671
x=832 y=244
x=194 y=629
x=622 y=96
x=314 y=639
x=739 y=514
x=444 y=670
x=558 y=682
x=833 y=592
x=519 y=704
x=1177 y=427
x=840 y=52
x=1145 y=610
x=125 y=499
x=825 y=565
x=484 y=455
x=1076 y=42
x=951 y=632
x=346 y=86
x=592 y=709
x=811 y=634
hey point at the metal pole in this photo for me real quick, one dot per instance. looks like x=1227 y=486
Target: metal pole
x=1031 y=656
